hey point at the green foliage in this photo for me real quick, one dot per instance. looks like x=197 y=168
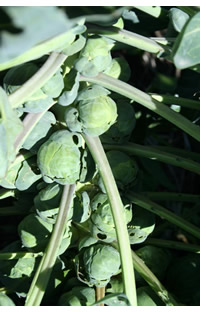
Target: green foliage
x=68 y=222
x=147 y=297
x=141 y=225
x=124 y=168
x=78 y=296
x=186 y=50
x=41 y=99
x=5 y=300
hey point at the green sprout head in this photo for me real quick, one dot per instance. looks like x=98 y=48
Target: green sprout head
x=101 y=262
x=95 y=57
x=101 y=222
x=95 y=112
x=59 y=158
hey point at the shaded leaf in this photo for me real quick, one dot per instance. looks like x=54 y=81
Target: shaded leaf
x=186 y=50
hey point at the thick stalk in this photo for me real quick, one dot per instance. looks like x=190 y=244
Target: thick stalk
x=127 y=37
x=100 y=294
x=164 y=213
x=146 y=100
x=98 y=153
x=156 y=154
x=48 y=69
x=41 y=278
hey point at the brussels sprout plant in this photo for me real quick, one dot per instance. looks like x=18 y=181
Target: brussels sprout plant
x=99 y=155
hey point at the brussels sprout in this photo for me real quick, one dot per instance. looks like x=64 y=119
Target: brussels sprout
x=101 y=262
x=95 y=57
x=101 y=222
x=78 y=296
x=40 y=99
x=59 y=158
x=94 y=113
x=119 y=69
x=5 y=300
x=142 y=224
x=120 y=131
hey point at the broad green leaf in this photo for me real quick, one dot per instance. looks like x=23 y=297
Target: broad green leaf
x=26 y=176
x=178 y=18
x=39 y=132
x=5 y=300
x=186 y=50
x=71 y=89
x=30 y=20
x=10 y=126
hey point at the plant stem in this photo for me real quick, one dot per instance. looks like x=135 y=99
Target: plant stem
x=126 y=37
x=155 y=154
x=48 y=69
x=164 y=213
x=98 y=153
x=169 y=99
x=146 y=100
x=100 y=294
x=172 y=244
x=41 y=278
x=165 y=196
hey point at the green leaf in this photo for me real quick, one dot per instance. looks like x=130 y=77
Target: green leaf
x=30 y=20
x=5 y=300
x=179 y=18
x=147 y=297
x=118 y=299
x=26 y=176
x=34 y=140
x=186 y=50
x=71 y=89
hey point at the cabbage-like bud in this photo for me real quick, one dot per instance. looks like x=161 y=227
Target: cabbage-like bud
x=95 y=57
x=94 y=112
x=101 y=222
x=59 y=158
x=100 y=262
